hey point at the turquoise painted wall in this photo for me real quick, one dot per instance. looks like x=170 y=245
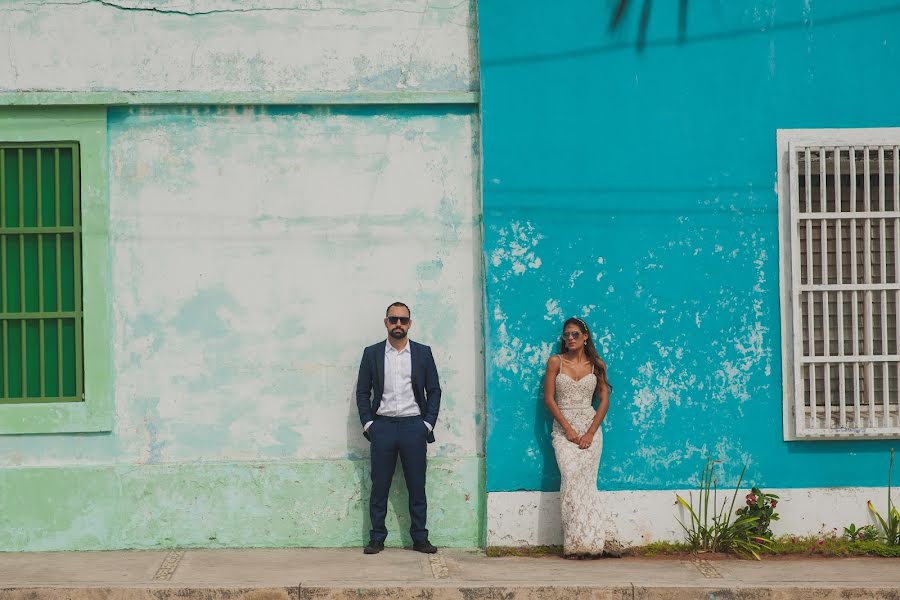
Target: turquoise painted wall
x=636 y=189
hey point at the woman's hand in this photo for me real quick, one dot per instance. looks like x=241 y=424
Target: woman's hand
x=586 y=440
x=572 y=436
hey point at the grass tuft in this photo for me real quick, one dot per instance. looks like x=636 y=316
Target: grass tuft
x=527 y=551
x=660 y=549
x=788 y=545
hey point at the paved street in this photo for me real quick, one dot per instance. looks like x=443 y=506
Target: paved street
x=287 y=574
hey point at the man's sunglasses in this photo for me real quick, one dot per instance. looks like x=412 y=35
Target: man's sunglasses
x=395 y=320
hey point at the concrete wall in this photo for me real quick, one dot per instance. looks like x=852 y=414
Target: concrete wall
x=636 y=189
x=238 y=46
x=253 y=250
x=638 y=517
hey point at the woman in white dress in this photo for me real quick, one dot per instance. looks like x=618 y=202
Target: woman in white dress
x=574 y=377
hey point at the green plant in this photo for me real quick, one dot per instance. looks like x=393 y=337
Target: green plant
x=711 y=528
x=890 y=527
x=661 y=549
x=866 y=533
x=762 y=506
x=826 y=545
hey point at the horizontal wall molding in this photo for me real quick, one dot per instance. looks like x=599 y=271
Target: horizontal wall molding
x=637 y=518
x=313 y=503
x=270 y=98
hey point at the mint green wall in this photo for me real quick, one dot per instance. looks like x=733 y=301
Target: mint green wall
x=252 y=252
x=309 y=503
x=283 y=175
x=85 y=126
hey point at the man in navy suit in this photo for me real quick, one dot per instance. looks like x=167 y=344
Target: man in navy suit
x=398 y=396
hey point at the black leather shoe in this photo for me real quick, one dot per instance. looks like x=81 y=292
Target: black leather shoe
x=424 y=546
x=373 y=547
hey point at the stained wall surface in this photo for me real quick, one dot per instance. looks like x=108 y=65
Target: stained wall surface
x=237 y=46
x=252 y=251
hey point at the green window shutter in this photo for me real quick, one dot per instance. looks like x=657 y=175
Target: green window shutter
x=40 y=273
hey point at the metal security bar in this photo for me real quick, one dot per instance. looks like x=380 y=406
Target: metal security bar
x=40 y=273
x=845 y=282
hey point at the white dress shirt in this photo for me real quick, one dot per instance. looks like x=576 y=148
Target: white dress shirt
x=398 y=399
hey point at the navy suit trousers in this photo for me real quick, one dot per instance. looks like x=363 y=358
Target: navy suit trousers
x=406 y=437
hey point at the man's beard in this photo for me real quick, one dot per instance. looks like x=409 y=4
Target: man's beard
x=398 y=334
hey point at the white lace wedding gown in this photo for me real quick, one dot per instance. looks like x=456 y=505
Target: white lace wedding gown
x=582 y=520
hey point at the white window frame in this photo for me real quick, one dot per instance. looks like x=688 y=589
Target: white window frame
x=789 y=263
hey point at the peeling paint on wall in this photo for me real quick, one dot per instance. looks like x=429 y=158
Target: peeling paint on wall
x=253 y=253
x=229 y=271
x=216 y=505
x=634 y=189
x=253 y=250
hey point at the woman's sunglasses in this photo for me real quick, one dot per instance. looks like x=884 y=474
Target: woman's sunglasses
x=395 y=320
x=571 y=334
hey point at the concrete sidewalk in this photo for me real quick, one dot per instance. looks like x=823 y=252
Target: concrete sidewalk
x=298 y=574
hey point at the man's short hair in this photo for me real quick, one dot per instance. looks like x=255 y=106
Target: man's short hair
x=388 y=309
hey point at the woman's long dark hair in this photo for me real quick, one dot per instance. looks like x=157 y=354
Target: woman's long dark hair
x=590 y=351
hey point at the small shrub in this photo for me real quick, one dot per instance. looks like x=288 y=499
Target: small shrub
x=710 y=527
x=762 y=506
x=866 y=533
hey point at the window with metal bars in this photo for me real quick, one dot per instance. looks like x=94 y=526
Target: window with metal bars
x=841 y=227
x=40 y=273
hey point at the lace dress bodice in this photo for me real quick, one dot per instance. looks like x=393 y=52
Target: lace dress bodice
x=572 y=393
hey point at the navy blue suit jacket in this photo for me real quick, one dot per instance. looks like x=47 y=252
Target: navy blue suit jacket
x=425 y=384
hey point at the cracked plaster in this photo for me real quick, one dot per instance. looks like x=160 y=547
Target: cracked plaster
x=229 y=46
